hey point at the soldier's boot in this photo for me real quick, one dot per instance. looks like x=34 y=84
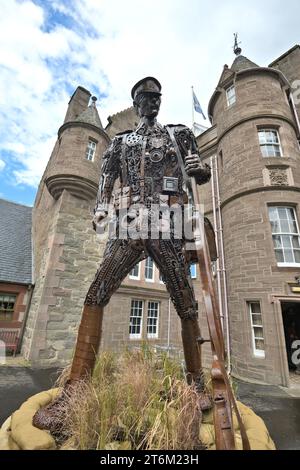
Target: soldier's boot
x=51 y=417
x=192 y=340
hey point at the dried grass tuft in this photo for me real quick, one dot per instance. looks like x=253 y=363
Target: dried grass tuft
x=138 y=400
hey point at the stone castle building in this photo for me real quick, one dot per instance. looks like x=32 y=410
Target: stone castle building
x=252 y=200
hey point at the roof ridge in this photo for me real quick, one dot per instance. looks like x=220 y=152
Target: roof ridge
x=282 y=56
x=16 y=203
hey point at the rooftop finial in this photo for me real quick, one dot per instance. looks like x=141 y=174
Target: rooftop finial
x=94 y=99
x=236 y=48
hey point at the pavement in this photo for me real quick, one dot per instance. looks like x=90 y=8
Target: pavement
x=279 y=407
x=19 y=383
x=275 y=405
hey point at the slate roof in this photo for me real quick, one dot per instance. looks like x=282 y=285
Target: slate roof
x=15 y=243
x=242 y=63
x=90 y=116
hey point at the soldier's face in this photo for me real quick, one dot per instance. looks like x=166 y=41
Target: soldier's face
x=149 y=104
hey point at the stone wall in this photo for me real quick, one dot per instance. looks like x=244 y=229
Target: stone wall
x=247 y=187
x=253 y=275
x=289 y=65
x=69 y=264
x=122 y=121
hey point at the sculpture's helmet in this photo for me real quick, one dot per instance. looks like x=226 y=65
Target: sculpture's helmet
x=146 y=85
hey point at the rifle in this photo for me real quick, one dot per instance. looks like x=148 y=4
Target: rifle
x=223 y=397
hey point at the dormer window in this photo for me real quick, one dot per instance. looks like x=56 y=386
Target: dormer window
x=90 y=150
x=230 y=95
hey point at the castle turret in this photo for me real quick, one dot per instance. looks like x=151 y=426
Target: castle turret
x=253 y=142
x=75 y=163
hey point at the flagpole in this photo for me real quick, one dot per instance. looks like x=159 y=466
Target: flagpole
x=193 y=112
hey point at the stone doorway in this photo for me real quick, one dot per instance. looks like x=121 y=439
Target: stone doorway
x=291 y=324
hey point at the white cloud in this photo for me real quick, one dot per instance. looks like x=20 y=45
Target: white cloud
x=107 y=46
x=2 y=165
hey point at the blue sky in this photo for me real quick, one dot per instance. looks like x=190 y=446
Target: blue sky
x=48 y=48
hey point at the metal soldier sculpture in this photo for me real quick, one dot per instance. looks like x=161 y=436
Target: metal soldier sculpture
x=149 y=164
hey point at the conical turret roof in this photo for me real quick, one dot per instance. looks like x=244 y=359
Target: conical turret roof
x=90 y=116
x=242 y=63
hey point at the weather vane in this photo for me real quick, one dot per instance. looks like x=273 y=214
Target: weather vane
x=236 y=48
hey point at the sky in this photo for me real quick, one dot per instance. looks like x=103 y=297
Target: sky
x=49 y=47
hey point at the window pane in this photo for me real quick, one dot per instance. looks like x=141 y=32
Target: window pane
x=269 y=143
x=286 y=241
x=277 y=151
x=273 y=213
x=259 y=344
x=261 y=136
x=258 y=332
x=257 y=326
x=193 y=271
x=135 y=321
x=149 y=268
x=284 y=225
x=230 y=94
x=282 y=213
x=290 y=213
x=7 y=305
x=135 y=271
x=279 y=256
x=297 y=256
x=288 y=256
x=296 y=242
x=277 y=241
x=152 y=320
x=264 y=150
x=293 y=227
x=285 y=234
x=255 y=307
x=275 y=226
x=90 y=150
x=256 y=319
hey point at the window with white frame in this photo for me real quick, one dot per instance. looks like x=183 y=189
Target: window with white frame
x=135 y=272
x=269 y=143
x=90 y=150
x=193 y=271
x=230 y=95
x=285 y=234
x=152 y=319
x=258 y=342
x=7 y=306
x=136 y=319
x=149 y=269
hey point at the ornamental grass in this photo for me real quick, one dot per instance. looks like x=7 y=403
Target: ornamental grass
x=137 y=400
